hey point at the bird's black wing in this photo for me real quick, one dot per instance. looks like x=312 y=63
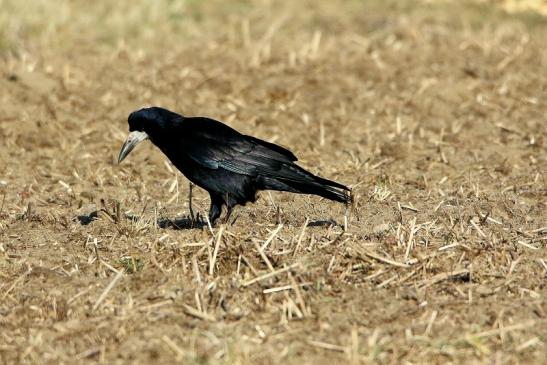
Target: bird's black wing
x=215 y=145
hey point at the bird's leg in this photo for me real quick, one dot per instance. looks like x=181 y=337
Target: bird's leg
x=192 y=217
x=230 y=204
x=228 y=214
x=346 y=218
x=216 y=208
x=349 y=207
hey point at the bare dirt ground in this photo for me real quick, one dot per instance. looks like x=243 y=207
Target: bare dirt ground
x=435 y=114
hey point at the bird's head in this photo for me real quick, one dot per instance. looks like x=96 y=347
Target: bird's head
x=147 y=123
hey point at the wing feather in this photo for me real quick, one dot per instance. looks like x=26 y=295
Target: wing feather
x=215 y=145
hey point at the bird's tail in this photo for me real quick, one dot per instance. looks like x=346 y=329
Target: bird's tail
x=326 y=189
x=297 y=180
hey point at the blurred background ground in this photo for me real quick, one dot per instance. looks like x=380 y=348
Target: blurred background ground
x=435 y=113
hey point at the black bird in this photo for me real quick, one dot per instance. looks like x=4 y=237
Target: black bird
x=231 y=166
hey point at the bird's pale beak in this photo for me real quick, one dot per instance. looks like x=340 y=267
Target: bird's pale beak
x=132 y=141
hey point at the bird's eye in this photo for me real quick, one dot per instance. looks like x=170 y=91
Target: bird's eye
x=136 y=124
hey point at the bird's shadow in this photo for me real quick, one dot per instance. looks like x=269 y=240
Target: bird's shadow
x=322 y=223
x=184 y=223
x=86 y=219
x=181 y=223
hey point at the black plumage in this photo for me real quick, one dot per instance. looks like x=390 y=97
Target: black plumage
x=231 y=166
